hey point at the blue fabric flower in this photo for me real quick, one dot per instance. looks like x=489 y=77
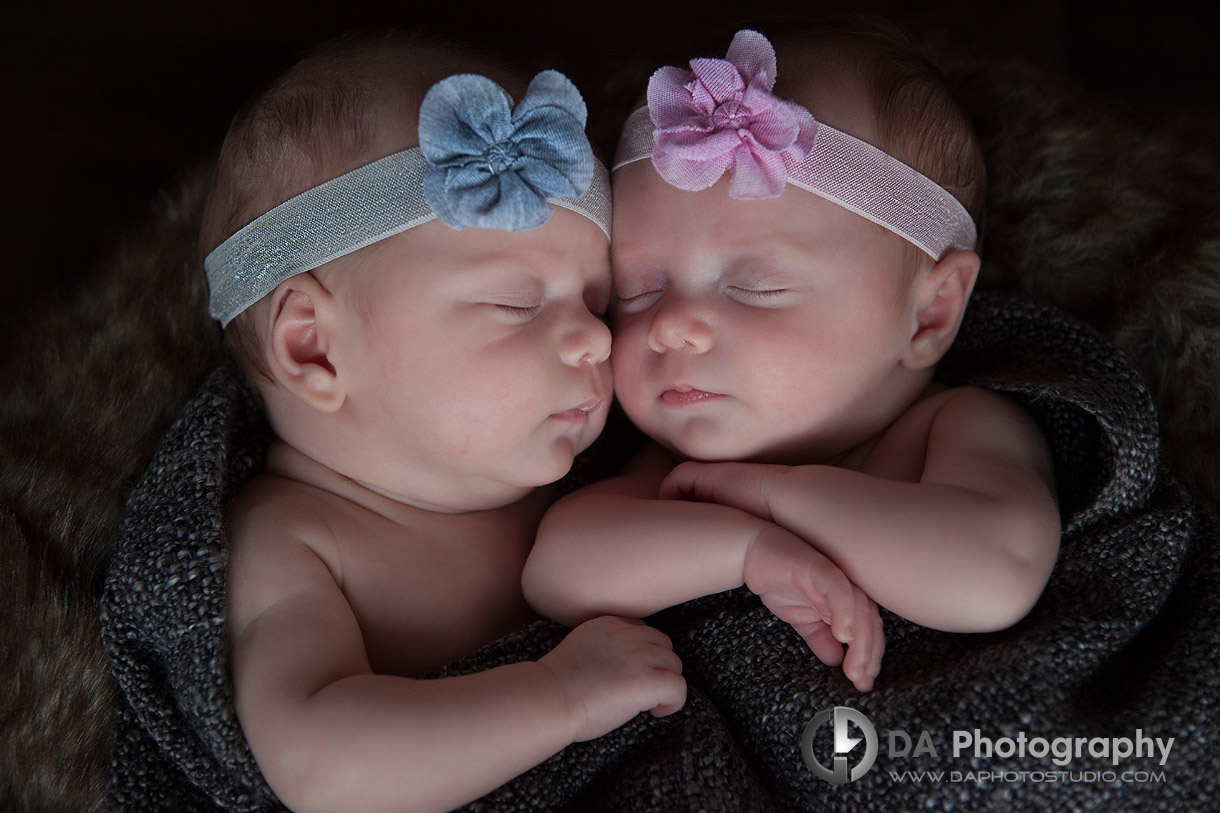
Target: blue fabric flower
x=493 y=166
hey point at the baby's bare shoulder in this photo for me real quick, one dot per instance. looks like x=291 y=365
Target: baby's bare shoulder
x=951 y=423
x=981 y=415
x=976 y=432
x=954 y=410
x=281 y=547
x=272 y=515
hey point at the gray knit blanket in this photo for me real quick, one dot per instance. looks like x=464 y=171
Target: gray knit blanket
x=1071 y=709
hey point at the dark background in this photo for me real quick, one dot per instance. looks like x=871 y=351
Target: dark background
x=110 y=104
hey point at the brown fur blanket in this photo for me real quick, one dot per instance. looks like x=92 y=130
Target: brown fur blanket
x=1091 y=207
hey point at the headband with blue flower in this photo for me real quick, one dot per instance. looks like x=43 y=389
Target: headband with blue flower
x=480 y=163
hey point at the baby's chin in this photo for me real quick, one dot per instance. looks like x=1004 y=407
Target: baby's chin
x=562 y=456
x=708 y=449
x=710 y=437
x=707 y=446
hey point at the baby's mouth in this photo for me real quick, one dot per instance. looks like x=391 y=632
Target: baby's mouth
x=683 y=395
x=580 y=413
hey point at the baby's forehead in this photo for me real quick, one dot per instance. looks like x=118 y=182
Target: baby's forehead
x=565 y=237
x=656 y=222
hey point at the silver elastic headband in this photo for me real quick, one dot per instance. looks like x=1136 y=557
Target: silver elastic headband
x=857 y=176
x=340 y=216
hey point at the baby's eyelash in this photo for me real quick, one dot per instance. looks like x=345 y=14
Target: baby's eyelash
x=638 y=303
x=520 y=312
x=634 y=297
x=759 y=293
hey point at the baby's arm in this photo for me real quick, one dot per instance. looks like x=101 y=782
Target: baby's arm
x=969 y=547
x=328 y=734
x=615 y=548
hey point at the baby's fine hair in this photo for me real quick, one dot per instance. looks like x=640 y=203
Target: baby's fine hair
x=917 y=116
x=349 y=102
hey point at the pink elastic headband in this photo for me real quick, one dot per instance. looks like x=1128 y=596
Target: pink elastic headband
x=722 y=116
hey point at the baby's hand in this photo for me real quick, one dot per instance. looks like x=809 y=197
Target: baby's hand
x=740 y=485
x=806 y=589
x=613 y=668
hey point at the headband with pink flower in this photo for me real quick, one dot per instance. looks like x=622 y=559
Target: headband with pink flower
x=721 y=116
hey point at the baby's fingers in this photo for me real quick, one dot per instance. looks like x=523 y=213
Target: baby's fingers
x=680 y=483
x=839 y=598
x=663 y=657
x=740 y=485
x=672 y=696
x=863 y=660
x=821 y=642
x=670 y=686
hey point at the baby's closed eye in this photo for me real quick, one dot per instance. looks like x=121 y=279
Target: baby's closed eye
x=522 y=310
x=635 y=301
x=759 y=296
x=636 y=292
x=749 y=292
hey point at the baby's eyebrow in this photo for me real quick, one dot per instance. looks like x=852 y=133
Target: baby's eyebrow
x=501 y=276
x=772 y=265
x=631 y=272
x=623 y=259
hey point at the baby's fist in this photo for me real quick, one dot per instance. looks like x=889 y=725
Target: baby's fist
x=613 y=668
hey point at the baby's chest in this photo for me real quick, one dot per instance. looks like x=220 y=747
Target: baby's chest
x=422 y=601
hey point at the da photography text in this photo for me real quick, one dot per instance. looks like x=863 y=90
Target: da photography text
x=847 y=761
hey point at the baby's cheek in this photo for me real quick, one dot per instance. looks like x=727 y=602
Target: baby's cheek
x=627 y=383
x=622 y=377
x=625 y=346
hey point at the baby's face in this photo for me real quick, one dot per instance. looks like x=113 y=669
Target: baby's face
x=768 y=330
x=482 y=359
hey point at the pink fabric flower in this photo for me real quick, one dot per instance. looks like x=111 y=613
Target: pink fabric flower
x=721 y=115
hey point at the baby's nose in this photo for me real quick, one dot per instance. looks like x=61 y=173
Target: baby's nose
x=677 y=329
x=588 y=342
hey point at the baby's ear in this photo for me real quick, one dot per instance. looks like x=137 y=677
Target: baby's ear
x=940 y=295
x=302 y=320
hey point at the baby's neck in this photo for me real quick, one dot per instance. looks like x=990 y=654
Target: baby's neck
x=285 y=460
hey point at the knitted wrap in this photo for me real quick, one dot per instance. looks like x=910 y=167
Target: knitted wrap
x=1125 y=636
